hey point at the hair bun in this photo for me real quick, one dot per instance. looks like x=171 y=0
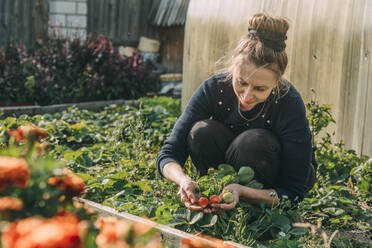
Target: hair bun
x=270 y=30
x=274 y=40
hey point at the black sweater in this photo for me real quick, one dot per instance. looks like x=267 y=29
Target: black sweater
x=285 y=117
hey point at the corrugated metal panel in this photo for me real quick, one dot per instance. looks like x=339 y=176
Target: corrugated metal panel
x=122 y=21
x=171 y=13
x=329 y=46
x=23 y=21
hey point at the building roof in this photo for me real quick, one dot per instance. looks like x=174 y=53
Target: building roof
x=166 y=13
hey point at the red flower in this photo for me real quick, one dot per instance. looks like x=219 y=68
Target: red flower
x=112 y=232
x=68 y=182
x=57 y=232
x=13 y=172
x=26 y=132
x=10 y=203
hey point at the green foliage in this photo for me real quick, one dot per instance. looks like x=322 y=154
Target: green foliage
x=115 y=152
x=319 y=117
x=64 y=70
x=39 y=197
x=246 y=223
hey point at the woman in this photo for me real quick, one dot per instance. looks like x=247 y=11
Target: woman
x=247 y=116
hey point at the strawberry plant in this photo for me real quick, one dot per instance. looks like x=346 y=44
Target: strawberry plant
x=115 y=150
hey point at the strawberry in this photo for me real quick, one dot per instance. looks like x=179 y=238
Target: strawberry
x=214 y=199
x=203 y=202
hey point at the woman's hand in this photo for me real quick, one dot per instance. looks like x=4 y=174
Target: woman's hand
x=188 y=195
x=235 y=189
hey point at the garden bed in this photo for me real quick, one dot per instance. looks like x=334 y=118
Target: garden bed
x=115 y=151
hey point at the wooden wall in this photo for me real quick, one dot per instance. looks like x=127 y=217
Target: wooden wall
x=171 y=50
x=122 y=21
x=329 y=46
x=23 y=21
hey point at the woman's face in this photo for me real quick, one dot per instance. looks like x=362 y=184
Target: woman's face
x=252 y=86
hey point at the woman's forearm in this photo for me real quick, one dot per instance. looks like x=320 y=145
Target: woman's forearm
x=174 y=172
x=256 y=196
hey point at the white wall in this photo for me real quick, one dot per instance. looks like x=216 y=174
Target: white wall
x=68 y=18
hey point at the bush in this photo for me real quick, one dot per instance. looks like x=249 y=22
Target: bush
x=72 y=70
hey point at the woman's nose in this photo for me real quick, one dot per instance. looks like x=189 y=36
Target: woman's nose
x=247 y=96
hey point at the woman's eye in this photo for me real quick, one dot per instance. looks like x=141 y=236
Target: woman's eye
x=260 y=89
x=242 y=83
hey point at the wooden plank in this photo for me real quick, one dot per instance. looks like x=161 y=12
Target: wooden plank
x=112 y=18
x=351 y=124
x=102 y=23
x=121 y=20
x=170 y=236
x=134 y=13
x=366 y=55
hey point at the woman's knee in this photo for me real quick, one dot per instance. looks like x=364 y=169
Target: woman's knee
x=207 y=143
x=257 y=148
x=202 y=132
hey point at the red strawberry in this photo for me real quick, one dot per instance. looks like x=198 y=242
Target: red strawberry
x=214 y=199
x=203 y=202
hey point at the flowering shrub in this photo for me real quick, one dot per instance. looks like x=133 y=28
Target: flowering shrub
x=27 y=132
x=59 y=231
x=119 y=233
x=13 y=172
x=68 y=181
x=72 y=70
x=8 y=203
x=37 y=209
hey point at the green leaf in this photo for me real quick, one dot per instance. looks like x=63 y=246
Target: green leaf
x=72 y=155
x=181 y=213
x=298 y=231
x=282 y=221
x=84 y=176
x=177 y=222
x=212 y=222
x=196 y=218
x=226 y=169
x=334 y=211
x=334 y=220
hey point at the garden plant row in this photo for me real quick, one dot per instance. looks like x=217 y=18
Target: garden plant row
x=114 y=151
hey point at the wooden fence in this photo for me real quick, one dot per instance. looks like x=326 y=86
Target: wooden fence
x=122 y=21
x=23 y=21
x=329 y=46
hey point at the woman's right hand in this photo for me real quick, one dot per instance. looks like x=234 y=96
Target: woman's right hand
x=189 y=196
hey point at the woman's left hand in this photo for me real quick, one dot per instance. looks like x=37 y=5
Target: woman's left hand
x=235 y=190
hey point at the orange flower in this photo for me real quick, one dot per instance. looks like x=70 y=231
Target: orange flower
x=57 y=232
x=206 y=242
x=13 y=172
x=10 y=203
x=68 y=182
x=141 y=228
x=29 y=131
x=112 y=232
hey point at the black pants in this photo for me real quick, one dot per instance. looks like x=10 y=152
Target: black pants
x=210 y=143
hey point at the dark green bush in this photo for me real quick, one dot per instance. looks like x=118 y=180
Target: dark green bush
x=72 y=70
